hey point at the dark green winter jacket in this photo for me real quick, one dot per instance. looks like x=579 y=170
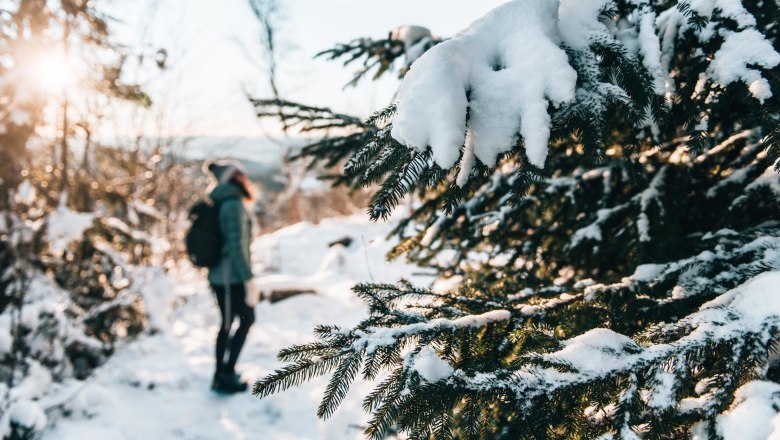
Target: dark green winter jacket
x=236 y=226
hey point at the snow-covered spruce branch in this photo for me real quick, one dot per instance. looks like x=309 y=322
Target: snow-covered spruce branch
x=626 y=76
x=405 y=43
x=651 y=293
x=597 y=170
x=342 y=134
x=441 y=366
x=634 y=208
x=304 y=117
x=711 y=263
x=374 y=348
x=618 y=57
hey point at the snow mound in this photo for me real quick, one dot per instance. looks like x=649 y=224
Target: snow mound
x=26 y=415
x=65 y=226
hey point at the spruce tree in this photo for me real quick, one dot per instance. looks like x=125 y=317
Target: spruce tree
x=600 y=177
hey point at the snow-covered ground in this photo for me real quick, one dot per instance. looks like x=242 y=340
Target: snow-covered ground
x=157 y=387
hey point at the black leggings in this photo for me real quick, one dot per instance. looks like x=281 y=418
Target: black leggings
x=232 y=307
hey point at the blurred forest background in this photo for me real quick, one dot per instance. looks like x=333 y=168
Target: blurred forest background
x=101 y=153
x=107 y=111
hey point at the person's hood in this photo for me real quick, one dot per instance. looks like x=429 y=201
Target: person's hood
x=225 y=191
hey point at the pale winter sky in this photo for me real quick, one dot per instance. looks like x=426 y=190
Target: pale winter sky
x=216 y=54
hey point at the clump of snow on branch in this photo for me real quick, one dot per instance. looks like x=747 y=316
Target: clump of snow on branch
x=661 y=397
x=65 y=226
x=380 y=337
x=504 y=69
x=650 y=48
x=416 y=39
x=729 y=8
x=495 y=80
x=598 y=353
x=431 y=367
x=579 y=21
x=590 y=350
x=753 y=416
x=739 y=50
x=647 y=272
x=24 y=414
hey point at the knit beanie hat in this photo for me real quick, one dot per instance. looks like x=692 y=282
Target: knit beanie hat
x=224 y=170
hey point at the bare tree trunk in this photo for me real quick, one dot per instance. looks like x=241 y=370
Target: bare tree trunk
x=64 y=146
x=87 y=148
x=65 y=102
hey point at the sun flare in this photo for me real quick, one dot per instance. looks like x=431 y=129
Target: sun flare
x=52 y=73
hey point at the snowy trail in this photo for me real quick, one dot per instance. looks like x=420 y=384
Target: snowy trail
x=158 y=386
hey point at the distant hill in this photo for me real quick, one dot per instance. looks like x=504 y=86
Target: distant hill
x=262 y=156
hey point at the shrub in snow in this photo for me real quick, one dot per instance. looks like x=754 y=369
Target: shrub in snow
x=612 y=207
x=69 y=298
x=24 y=420
x=67 y=278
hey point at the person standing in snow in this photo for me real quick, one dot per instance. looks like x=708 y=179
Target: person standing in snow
x=231 y=279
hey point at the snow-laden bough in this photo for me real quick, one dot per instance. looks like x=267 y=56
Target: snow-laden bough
x=503 y=70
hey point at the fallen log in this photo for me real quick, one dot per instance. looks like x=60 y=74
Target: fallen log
x=276 y=295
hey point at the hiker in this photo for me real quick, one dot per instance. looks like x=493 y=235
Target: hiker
x=231 y=278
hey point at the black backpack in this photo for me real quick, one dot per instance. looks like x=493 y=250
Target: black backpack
x=204 y=239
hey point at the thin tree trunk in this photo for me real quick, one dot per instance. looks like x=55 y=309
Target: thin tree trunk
x=87 y=146
x=64 y=146
x=65 y=122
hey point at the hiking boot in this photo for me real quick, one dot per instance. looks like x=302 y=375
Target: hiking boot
x=228 y=383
